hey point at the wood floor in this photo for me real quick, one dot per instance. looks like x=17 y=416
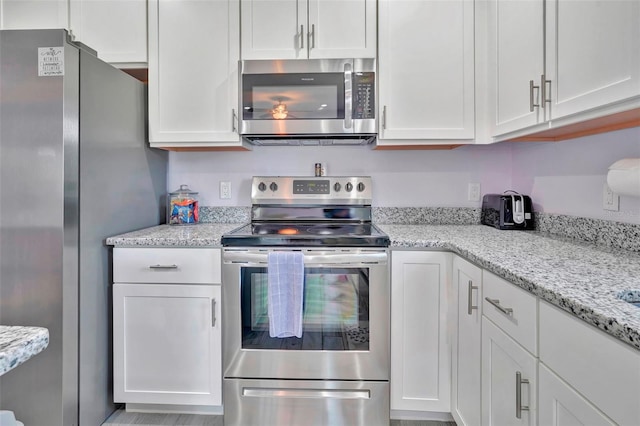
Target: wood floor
x=122 y=418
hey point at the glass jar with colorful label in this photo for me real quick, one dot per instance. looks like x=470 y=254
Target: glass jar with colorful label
x=183 y=207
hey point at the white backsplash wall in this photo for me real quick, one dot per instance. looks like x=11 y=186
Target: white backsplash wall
x=561 y=177
x=567 y=177
x=420 y=178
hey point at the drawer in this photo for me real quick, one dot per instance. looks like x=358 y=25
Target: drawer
x=167 y=265
x=512 y=309
x=603 y=369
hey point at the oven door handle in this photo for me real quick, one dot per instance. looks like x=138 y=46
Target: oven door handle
x=307 y=393
x=338 y=258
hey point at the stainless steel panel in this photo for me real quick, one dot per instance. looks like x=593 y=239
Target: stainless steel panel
x=305 y=402
x=305 y=66
x=302 y=364
x=38 y=202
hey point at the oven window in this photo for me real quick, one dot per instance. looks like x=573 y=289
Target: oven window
x=335 y=311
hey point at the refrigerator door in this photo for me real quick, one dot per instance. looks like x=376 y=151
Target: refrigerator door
x=38 y=219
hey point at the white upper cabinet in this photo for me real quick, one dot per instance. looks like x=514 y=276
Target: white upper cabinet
x=33 y=14
x=116 y=29
x=426 y=71
x=516 y=55
x=302 y=29
x=193 y=73
x=560 y=62
x=592 y=54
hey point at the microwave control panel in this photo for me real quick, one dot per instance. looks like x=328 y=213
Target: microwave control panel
x=363 y=95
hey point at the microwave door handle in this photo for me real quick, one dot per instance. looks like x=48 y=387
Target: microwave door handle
x=348 y=96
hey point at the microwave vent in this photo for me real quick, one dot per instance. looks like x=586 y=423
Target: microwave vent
x=310 y=140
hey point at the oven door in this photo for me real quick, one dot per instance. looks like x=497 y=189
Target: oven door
x=345 y=331
x=311 y=97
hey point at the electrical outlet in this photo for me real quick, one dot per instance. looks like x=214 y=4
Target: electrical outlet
x=225 y=190
x=473 y=192
x=610 y=200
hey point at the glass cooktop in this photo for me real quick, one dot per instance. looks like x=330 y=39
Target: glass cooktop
x=307 y=234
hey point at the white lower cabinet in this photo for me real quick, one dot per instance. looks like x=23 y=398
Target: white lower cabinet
x=600 y=368
x=167 y=326
x=420 y=348
x=167 y=344
x=508 y=380
x=560 y=405
x=466 y=349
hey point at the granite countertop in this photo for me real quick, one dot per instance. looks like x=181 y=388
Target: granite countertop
x=201 y=235
x=581 y=278
x=18 y=344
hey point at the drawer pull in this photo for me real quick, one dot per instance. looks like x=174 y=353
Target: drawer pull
x=519 y=407
x=470 y=306
x=496 y=303
x=163 y=267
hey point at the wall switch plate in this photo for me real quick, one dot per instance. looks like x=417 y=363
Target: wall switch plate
x=473 y=192
x=225 y=190
x=610 y=200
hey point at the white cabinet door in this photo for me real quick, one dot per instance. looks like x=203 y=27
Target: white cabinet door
x=561 y=405
x=466 y=366
x=342 y=29
x=116 y=29
x=274 y=29
x=516 y=54
x=33 y=14
x=420 y=351
x=301 y=29
x=193 y=73
x=166 y=343
x=593 y=53
x=503 y=362
x=426 y=70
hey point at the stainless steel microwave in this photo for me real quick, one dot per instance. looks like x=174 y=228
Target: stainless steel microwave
x=308 y=102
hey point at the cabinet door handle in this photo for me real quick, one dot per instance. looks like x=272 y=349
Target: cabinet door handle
x=312 y=43
x=543 y=87
x=532 y=88
x=496 y=303
x=384 y=117
x=234 y=117
x=470 y=306
x=158 y=266
x=519 y=407
x=301 y=36
x=213 y=312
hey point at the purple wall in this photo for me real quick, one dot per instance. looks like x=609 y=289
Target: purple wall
x=561 y=177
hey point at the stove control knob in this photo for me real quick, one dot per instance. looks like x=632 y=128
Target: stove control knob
x=262 y=186
x=273 y=186
x=348 y=187
x=337 y=187
x=360 y=187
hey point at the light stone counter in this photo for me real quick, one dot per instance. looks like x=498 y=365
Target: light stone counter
x=581 y=278
x=18 y=344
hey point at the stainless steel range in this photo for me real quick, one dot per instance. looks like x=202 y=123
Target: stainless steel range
x=335 y=369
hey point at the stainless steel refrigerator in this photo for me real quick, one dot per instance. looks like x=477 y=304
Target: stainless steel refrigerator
x=74 y=169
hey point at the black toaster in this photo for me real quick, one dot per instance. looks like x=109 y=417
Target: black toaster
x=507 y=211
